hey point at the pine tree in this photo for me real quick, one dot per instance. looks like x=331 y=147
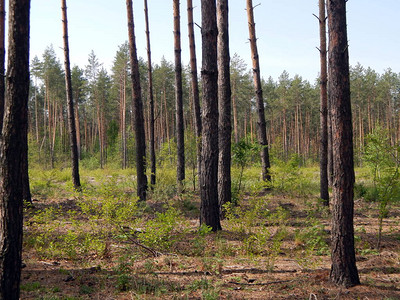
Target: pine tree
x=194 y=83
x=14 y=149
x=151 y=99
x=209 y=209
x=343 y=271
x=224 y=106
x=324 y=193
x=137 y=108
x=262 y=127
x=180 y=139
x=70 y=102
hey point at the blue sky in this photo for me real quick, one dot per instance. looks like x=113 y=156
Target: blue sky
x=286 y=29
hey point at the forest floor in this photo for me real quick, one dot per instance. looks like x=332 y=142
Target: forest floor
x=273 y=245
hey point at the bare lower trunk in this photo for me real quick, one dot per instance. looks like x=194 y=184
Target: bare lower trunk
x=2 y=60
x=324 y=192
x=330 y=147
x=78 y=133
x=209 y=209
x=224 y=104
x=262 y=127
x=137 y=109
x=195 y=83
x=343 y=271
x=180 y=139
x=151 y=101
x=235 y=116
x=70 y=101
x=14 y=149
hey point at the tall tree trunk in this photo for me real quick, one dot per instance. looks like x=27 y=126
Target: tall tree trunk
x=2 y=60
x=180 y=138
x=262 y=127
x=36 y=116
x=53 y=132
x=209 y=209
x=343 y=271
x=137 y=109
x=330 y=146
x=26 y=190
x=235 y=114
x=99 y=128
x=195 y=83
x=323 y=159
x=86 y=130
x=167 y=122
x=224 y=106
x=151 y=99
x=123 y=121
x=14 y=149
x=71 y=115
x=284 y=136
x=78 y=133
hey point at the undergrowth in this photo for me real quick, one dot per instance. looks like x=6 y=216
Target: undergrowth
x=105 y=224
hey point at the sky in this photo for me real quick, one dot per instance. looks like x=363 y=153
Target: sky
x=287 y=32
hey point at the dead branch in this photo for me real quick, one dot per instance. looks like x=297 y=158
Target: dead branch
x=262 y=283
x=319 y=20
x=152 y=251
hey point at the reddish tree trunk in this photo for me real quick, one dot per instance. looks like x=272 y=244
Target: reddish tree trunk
x=195 y=83
x=151 y=100
x=2 y=60
x=180 y=139
x=343 y=271
x=324 y=192
x=262 y=127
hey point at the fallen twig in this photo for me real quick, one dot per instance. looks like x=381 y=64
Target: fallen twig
x=262 y=283
x=152 y=251
x=313 y=296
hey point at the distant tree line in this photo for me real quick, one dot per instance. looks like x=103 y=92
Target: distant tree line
x=104 y=120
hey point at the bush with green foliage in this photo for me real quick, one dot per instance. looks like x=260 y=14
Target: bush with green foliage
x=164 y=231
x=287 y=177
x=243 y=154
x=383 y=161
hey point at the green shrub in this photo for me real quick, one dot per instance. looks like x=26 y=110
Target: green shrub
x=383 y=161
x=162 y=232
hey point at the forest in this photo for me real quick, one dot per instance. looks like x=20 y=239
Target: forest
x=292 y=111
x=171 y=181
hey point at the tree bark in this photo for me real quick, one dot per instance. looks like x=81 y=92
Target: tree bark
x=70 y=102
x=195 y=83
x=122 y=115
x=36 y=117
x=209 y=209
x=2 y=60
x=224 y=106
x=77 y=125
x=137 y=108
x=324 y=192
x=262 y=127
x=13 y=147
x=330 y=146
x=235 y=114
x=343 y=271
x=180 y=139
x=151 y=99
